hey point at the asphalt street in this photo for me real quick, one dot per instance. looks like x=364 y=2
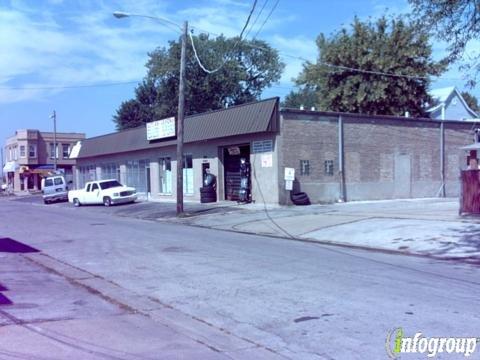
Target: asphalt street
x=108 y=286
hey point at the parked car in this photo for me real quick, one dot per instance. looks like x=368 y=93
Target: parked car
x=54 y=188
x=106 y=192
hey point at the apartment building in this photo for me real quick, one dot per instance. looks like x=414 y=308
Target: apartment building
x=30 y=154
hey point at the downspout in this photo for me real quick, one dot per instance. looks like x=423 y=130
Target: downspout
x=442 y=158
x=341 y=172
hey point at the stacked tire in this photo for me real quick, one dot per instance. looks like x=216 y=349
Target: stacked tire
x=208 y=194
x=300 y=198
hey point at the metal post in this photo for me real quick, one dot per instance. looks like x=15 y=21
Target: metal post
x=181 y=114
x=54 y=116
x=442 y=158
x=340 y=160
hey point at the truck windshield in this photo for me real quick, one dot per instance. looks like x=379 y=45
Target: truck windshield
x=109 y=184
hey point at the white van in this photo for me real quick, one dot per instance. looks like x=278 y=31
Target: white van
x=54 y=188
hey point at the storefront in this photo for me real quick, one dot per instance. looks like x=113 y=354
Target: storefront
x=217 y=141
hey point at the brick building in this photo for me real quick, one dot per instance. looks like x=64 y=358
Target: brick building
x=29 y=155
x=335 y=156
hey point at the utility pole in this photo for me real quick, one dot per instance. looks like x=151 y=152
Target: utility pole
x=180 y=118
x=54 y=117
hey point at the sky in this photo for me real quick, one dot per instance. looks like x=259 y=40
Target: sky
x=74 y=57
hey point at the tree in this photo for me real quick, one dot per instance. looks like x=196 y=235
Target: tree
x=304 y=96
x=456 y=22
x=245 y=69
x=471 y=101
x=354 y=69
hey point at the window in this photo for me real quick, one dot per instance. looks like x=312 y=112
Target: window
x=136 y=175
x=58 y=181
x=22 y=151
x=110 y=171
x=53 y=152
x=15 y=153
x=65 y=151
x=328 y=166
x=165 y=175
x=94 y=187
x=304 y=167
x=188 y=174
x=88 y=187
x=48 y=182
x=32 y=151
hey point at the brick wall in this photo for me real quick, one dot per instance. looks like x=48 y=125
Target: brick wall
x=384 y=157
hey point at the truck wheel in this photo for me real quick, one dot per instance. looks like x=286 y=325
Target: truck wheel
x=76 y=203
x=107 y=201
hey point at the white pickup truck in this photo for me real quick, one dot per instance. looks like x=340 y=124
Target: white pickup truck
x=106 y=192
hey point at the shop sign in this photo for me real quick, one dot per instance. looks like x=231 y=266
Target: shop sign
x=161 y=129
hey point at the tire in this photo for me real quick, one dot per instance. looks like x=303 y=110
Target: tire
x=46 y=202
x=107 y=201
x=208 y=199
x=300 y=199
x=207 y=190
x=76 y=202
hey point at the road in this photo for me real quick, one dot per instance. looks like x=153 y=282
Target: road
x=109 y=287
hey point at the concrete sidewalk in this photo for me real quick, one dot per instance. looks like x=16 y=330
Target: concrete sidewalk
x=421 y=226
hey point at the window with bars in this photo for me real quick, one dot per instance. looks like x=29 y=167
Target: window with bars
x=328 y=167
x=304 y=167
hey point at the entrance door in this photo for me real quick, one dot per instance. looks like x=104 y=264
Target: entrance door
x=231 y=164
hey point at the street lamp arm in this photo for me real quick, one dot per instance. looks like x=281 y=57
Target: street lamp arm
x=121 y=14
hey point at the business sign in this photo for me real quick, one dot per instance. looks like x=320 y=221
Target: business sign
x=289 y=174
x=161 y=129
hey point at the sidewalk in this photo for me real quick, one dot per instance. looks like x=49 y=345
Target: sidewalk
x=420 y=226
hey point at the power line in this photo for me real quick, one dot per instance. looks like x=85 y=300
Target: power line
x=266 y=19
x=256 y=18
x=234 y=46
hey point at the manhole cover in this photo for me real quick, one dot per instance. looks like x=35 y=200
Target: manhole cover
x=12 y=246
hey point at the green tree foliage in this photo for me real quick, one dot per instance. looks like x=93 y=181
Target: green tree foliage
x=457 y=22
x=305 y=96
x=246 y=69
x=383 y=46
x=471 y=101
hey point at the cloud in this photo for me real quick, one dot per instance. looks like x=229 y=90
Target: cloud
x=42 y=49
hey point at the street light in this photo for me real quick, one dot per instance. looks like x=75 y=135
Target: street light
x=181 y=101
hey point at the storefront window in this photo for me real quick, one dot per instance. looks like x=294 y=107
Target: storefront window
x=165 y=176
x=188 y=174
x=110 y=171
x=87 y=173
x=137 y=174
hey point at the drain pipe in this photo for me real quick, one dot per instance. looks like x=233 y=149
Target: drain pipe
x=442 y=158
x=341 y=169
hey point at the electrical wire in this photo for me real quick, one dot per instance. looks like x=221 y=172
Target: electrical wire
x=266 y=19
x=256 y=18
x=197 y=58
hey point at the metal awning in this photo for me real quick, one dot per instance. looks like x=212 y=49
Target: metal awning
x=474 y=146
x=10 y=166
